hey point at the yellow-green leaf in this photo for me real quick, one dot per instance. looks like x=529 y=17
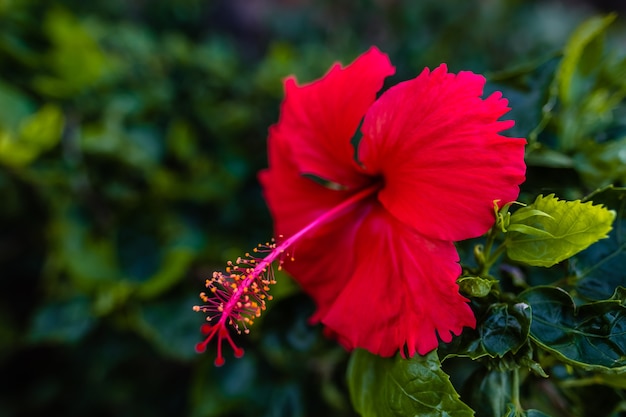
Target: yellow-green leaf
x=551 y=230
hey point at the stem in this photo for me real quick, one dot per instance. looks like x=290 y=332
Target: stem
x=490 y=258
x=581 y=382
x=515 y=390
x=491 y=237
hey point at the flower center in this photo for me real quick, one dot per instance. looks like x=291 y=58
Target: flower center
x=237 y=296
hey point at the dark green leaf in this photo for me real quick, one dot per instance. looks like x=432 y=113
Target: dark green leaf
x=514 y=412
x=381 y=387
x=601 y=268
x=535 y=413
x=592 y=336
x=505 y=329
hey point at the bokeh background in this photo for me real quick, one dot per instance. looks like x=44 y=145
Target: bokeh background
x=131 y=134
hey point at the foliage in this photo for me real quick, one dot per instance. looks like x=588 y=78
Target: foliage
x=131 y=134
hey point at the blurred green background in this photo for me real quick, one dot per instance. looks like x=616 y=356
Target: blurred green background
x=131 y=134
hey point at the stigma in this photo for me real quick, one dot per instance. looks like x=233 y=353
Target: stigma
x=236 y=297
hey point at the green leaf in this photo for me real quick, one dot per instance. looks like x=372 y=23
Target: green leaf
x=600 y=163
x=89 y=260
x=582 y=37
x=592 y=336
x=177 y=256
x=76 y=59
x=545 y=157
x=43 y=129
x=402 y=387
x=563 y=229
x=36 y=134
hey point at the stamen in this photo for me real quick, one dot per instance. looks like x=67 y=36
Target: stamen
x=238 y=295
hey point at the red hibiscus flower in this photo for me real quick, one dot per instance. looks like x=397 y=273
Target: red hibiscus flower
x=371 y=194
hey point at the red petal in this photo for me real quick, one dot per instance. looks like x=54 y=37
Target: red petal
x=321 y=118
x=402 y=291
x=323 y=262
x=435 y=141
x=294 y=201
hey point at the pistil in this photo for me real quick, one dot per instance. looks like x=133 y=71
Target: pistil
x=238 y=296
